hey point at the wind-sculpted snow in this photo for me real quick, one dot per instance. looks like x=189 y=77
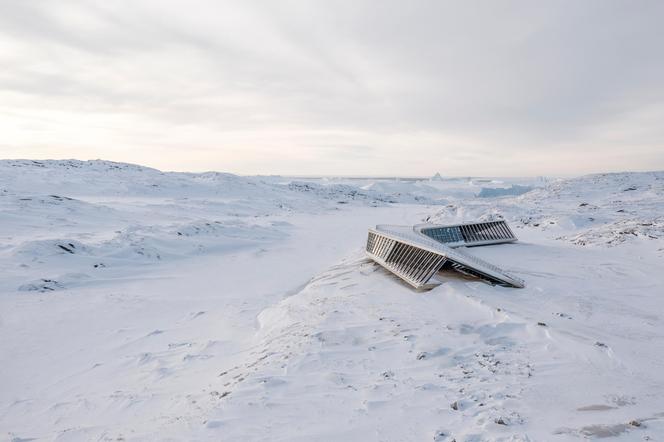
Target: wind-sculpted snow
x=617 y=232
x=373 y=353
x=142 y=305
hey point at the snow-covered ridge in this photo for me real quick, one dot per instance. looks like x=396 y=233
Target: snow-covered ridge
x=64 y=217
x=106 y=178
x=600 y=209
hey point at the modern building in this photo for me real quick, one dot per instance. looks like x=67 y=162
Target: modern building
x=416 y=253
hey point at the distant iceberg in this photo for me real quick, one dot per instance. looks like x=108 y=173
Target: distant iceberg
x=514 y=190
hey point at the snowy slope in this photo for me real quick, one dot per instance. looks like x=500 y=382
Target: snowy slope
x=596 y=209
x=142 y=305
x=73 y=217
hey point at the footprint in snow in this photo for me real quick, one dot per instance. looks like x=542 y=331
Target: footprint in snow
x=196 y=314
x=200 y=357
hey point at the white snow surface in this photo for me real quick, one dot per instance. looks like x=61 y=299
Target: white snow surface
x=140 y=305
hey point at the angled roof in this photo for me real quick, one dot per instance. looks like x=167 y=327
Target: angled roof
x=416 y=253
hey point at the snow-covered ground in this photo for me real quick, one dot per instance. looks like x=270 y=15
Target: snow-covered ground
x=142 y=305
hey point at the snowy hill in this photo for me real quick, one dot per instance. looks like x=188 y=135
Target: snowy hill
x=594 y=209
x=107 y=178
x=137 y=304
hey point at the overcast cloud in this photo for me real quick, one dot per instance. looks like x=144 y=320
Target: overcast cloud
x=336 y=87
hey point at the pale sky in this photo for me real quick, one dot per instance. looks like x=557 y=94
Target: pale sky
x=336 y=87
